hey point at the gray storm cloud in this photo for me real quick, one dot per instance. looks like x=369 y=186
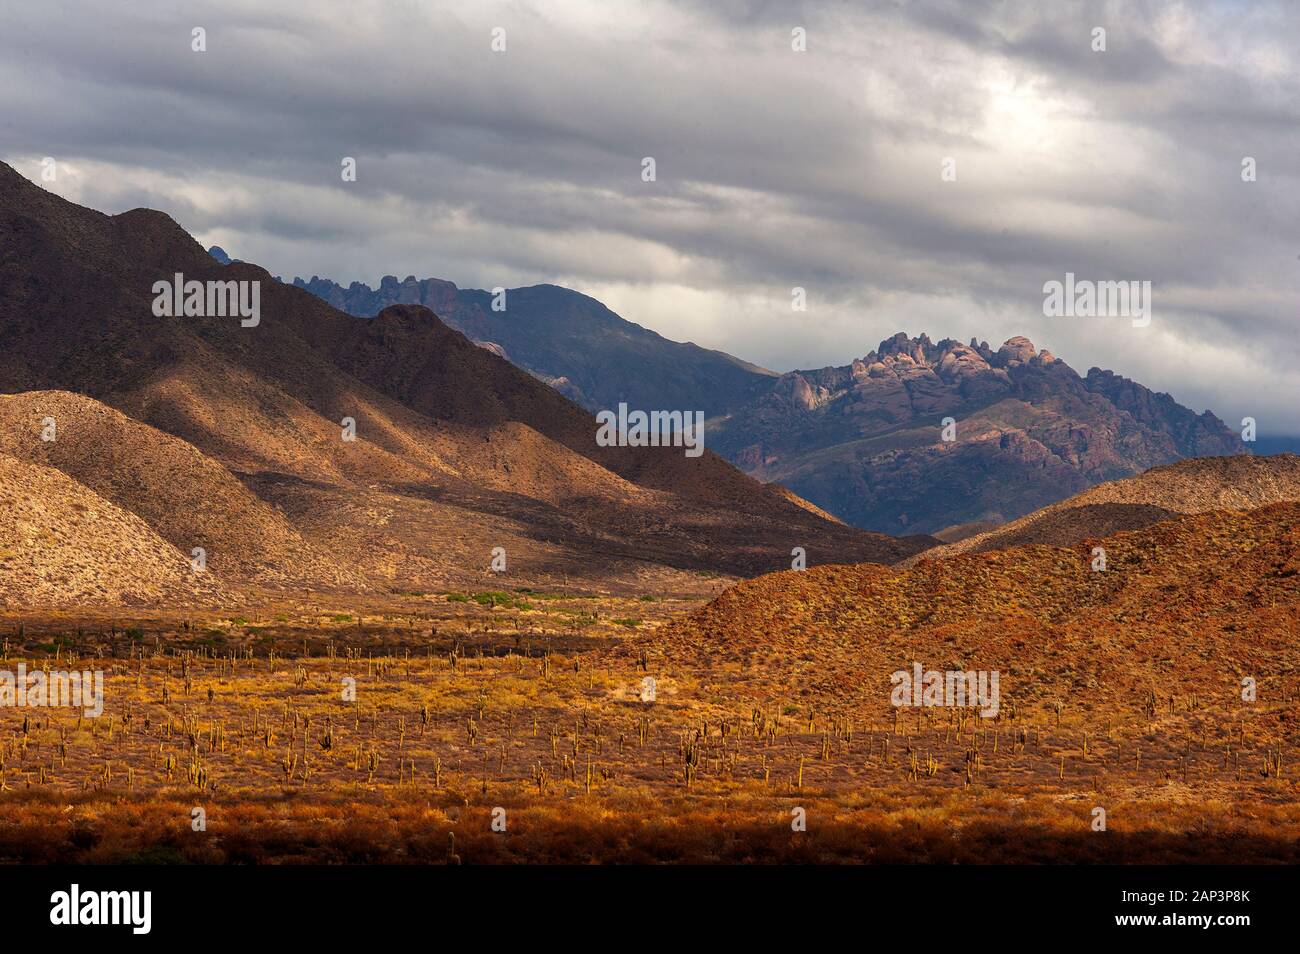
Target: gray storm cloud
x=775 y=168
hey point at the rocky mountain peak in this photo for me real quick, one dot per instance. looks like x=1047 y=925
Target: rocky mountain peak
x=922 y=352
x=1017 y=350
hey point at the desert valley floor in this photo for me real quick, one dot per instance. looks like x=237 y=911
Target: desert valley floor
x=529 y=710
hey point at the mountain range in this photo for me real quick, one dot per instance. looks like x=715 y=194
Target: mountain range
x=179 y=436
x=863 y=441
x=200 y=433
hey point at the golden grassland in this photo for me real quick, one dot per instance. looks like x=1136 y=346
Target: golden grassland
x=532 y=703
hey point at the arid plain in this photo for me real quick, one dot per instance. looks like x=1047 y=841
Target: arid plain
x=510 y=725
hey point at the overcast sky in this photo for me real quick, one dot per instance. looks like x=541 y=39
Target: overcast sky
x=774 y=168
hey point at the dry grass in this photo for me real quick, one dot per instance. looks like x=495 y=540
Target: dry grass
x=535 y=707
